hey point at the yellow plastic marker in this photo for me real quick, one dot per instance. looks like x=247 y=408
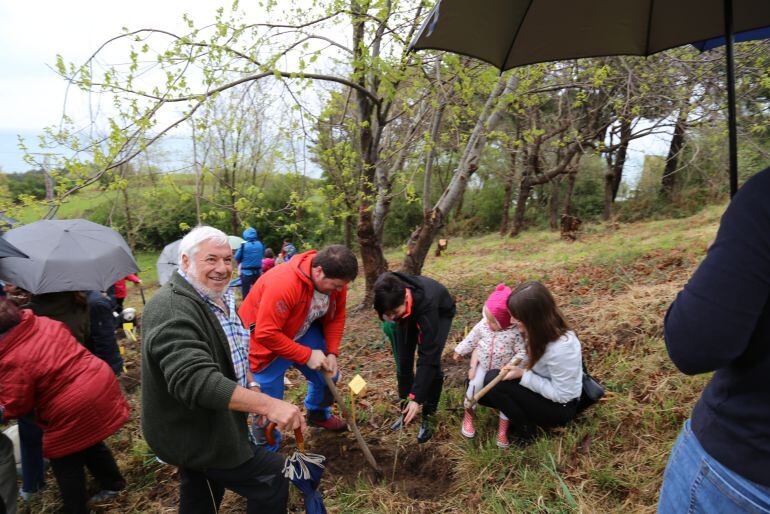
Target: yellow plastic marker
x=357 y=385
x=128 y=329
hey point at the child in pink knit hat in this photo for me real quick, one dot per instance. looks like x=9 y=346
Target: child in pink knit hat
x=492 y=343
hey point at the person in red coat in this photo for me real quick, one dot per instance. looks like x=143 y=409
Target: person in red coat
x=120 y=289
x=75 y=395
x=296 y=315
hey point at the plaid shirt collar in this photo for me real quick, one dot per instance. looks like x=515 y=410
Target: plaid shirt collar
x=237 y=335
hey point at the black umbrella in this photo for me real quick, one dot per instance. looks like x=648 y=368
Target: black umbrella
x=511 y=33
x=67 y=255
x=8 y=250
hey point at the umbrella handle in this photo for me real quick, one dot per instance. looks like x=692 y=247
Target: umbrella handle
x=270 y=433
x=300 y=439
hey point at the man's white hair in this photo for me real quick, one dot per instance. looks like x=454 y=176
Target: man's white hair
x=190 y=243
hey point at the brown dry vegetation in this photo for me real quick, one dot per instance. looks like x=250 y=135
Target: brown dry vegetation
x=614 y=285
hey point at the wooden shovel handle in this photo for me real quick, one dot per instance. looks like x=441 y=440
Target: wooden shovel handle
x=491 y=385
x=346 y=414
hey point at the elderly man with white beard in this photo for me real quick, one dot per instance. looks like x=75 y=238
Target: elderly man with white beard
x=197 y=388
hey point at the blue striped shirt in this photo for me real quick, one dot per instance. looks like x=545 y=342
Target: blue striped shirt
x=237 y=335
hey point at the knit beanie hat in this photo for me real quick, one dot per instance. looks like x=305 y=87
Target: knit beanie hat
x=496 y=303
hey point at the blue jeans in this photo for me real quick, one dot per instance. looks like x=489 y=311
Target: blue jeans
x=248 y=280
x=694 y=482
x=318 y=398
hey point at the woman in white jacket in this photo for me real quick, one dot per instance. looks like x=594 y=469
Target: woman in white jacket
x=546 y=393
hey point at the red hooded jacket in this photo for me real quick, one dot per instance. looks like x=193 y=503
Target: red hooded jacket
x=76 y=397
x=276 y=308
x=120 y=285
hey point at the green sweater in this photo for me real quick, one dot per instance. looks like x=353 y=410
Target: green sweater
x=187 y=383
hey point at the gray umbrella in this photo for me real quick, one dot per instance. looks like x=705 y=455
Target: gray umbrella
x=66 y=255
x=8 y=250
x=168 y=261
x=510 y=33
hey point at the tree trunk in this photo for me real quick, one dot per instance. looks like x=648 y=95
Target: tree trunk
x=521 y=206
x=553 y=204
x=668 y=180
x=349 y=231
x=129 y=221
x=434 y=133
x=421 y=239
x=615 y=164
x=507 y=205
x=567 y=205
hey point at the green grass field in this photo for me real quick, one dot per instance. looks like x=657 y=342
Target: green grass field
x=614 y=285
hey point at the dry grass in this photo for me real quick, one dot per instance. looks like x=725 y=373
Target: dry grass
x=614 y=285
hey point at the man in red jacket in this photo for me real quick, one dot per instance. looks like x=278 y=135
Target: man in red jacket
x=296 y=316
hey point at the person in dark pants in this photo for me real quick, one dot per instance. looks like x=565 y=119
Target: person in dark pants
x=720 y=322
x=546 y=393
x=249 y=256
x=423 y=311
x=103 y=341
x=71 y=308
x=197 y=388
x=75 y=397
x=7 y=473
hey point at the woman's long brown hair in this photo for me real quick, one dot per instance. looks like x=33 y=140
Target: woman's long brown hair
x=533 y=305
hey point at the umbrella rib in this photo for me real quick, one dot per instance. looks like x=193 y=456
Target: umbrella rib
x=649 y=28
x=515 y=35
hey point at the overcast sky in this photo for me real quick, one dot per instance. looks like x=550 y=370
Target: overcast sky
x=33 y=32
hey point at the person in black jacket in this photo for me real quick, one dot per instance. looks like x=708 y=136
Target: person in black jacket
x=720 y=322
x=422 y=310
x=103 y=342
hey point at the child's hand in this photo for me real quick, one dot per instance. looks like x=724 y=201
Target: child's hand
x=456 y=357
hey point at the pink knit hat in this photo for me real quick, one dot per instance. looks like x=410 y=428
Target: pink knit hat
x=497 y=305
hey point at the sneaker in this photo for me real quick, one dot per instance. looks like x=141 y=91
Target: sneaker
x=333 y=423
x=467 y=427
x=398 y=424
x=103 y=495
x=30 y=496
x=426 y=430
x=502 y=434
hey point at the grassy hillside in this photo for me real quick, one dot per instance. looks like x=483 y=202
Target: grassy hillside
x=614 y=285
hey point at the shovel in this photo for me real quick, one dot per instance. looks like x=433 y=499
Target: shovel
x=270 y=429
x=346 y=414
x=484 y=390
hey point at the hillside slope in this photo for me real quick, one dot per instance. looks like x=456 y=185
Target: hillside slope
x=614 y=285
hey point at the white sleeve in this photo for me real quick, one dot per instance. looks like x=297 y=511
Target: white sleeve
x=467 y=345
x=565 y=369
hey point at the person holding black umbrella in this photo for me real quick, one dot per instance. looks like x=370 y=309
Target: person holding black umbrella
x=721 y=459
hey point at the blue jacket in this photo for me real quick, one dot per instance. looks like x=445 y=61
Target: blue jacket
x=250 y=253
x=104 y=344
x=721 y=322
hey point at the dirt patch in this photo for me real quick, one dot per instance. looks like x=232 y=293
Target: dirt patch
x=422 y=472
x=455 y=373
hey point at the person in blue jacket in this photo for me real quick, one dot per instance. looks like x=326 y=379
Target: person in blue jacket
x=720 y=322
x=103 y=342
x=249 y=256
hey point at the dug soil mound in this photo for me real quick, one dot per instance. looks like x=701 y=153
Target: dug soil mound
x=420 y=472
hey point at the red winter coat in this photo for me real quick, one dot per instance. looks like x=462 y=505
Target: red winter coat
x=120 y=286
x=76 y=397
x=277 y=307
